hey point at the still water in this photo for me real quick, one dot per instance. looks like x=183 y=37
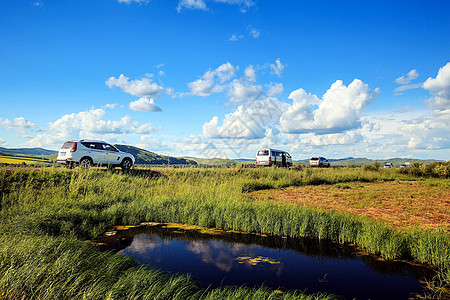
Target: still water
x=222 y=258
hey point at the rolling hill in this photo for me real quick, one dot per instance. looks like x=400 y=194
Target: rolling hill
x=26 y=151
x=144 y=157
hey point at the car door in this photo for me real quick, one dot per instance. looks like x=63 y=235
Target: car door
x=112 y=155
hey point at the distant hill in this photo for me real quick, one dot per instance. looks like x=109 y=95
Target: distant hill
x=212 y=161
x=26 y=151
x=144 y=157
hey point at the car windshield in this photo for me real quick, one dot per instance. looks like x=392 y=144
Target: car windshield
x=314 y=158
x=67 y=145
x=263 y=153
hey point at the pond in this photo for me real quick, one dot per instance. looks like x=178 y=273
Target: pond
x=216 y=258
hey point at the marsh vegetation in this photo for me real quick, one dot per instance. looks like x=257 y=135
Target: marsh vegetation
x=49 y=215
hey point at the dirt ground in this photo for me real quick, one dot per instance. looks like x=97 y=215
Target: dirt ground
x=401 y=204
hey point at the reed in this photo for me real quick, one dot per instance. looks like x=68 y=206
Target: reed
x=46 y=214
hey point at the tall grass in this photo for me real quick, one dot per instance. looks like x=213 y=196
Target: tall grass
x=55 y=210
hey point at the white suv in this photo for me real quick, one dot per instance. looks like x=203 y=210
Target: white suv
x=87 y=153
x=319 y=162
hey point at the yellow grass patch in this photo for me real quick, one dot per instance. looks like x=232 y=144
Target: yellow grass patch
x=19 y=160
x=401 y=204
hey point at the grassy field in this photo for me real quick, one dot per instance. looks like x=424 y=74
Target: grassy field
x=48 y=215
x=6 y=159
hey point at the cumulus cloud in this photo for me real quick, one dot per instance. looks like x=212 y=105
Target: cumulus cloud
x=439 y=87
x=206 y=85
x=277 y=68
x=191 y=4
x=250 y=73
x=348 y=138
x=275 y=89
x=247 y=121
x=240 y=91
x=431 y=131
x=144 y=104
x=20 y=124
x=152 y=144
x=413 y=74
x=3 y=142
x=337 y=111
x=88 y=124
x=141 y=88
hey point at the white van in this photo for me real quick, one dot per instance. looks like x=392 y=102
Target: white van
x=269 y=157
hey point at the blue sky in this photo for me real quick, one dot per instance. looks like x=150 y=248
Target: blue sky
x=225 y=77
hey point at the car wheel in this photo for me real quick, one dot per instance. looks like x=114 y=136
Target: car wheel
x=85 y=162
x=126 y=164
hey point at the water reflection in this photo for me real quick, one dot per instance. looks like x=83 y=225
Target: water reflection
x=238 y=259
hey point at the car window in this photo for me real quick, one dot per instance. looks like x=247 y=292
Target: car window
x=67 y=145
x=263 y=153
x=109 y=147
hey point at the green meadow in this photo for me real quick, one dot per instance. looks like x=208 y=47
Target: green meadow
x=49 y=216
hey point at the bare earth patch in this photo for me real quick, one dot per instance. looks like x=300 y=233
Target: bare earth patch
x=401 y=204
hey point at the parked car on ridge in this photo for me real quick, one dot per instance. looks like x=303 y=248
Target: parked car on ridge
x=87 y=153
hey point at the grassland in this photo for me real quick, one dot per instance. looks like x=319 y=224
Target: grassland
x=6 y=159
x=47 y=215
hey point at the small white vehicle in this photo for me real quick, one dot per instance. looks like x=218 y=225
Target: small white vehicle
x=88 y=153
x=269 y=157
x=388 y=165
x=318 y=161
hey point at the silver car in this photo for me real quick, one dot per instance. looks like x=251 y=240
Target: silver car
x=87 y=153
x=318 y=161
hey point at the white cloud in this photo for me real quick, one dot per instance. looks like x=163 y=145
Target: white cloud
x=111 y=105
x=234 y=37
x=406 y=87
x=225 y=72
x=413 y=74
x=88 y=124
x=255 y=33
x=210 y=129
x=206 y=85
x=191 y=4
x=277 y=68
x=439 y=87
x=275 y=89
x=3 y=142
x=200 y=4
x=20 y=124
x=203 y=86
x=144 y=104
x=148 y=143
x=250 y=73
x=348 y=138
x=247 y=121
x=338 y=110
x=427 y=134
x=240 y=91
x=141 y=88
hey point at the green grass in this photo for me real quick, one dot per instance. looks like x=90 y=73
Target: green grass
x=46 y=215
